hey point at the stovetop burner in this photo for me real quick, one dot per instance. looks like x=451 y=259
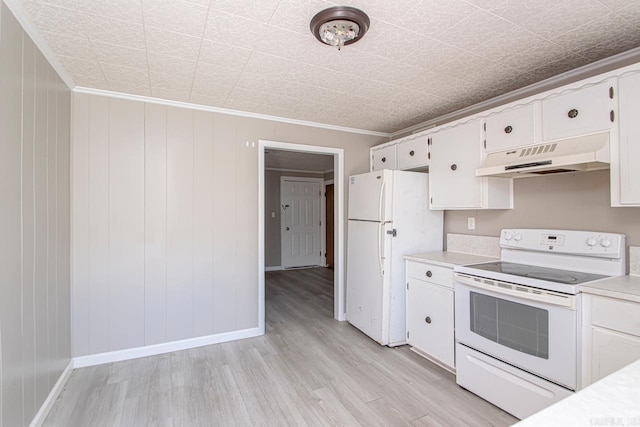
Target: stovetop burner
x=540 y=273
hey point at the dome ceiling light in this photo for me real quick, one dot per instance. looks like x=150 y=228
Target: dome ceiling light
x=340 y=25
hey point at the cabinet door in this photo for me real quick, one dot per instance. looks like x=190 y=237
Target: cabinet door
x=510 y=129
x=456 y=153
x=629 y=139
x=430 y=320
x=383 y=158
x=611 y=351
x=414 y=153
x=577 y=113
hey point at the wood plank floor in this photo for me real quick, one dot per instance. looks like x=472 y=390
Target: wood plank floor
x=307 y=370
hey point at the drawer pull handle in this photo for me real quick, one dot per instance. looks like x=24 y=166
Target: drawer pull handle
x=508 y=129
x=454 y=167
x=411 y=153
x=428 y=319
x=573 y=113
x=429 y=273
x=384 y=159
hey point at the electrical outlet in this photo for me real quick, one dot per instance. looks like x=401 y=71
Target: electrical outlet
x=471 y=223
x=273 y=214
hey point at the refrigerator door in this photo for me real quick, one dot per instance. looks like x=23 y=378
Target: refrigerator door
x=370 y=197
x=366 y=292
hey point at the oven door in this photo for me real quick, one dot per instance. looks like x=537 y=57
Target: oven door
x=529 y=328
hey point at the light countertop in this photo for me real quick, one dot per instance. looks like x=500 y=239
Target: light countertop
x=612 y=401
x=623 y=287
x=448 y=258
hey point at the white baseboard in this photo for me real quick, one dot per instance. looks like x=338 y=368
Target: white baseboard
x=152 y=350
x=275 y=268
x=42 y=413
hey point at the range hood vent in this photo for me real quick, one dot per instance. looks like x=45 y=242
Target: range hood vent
x=568 y=155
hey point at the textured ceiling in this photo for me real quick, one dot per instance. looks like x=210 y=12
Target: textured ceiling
x=419 y=60
x=293 y=160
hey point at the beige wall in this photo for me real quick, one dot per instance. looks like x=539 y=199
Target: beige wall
x=272 y=235
x=574 y=201
x=165 y=206
x=34 y=225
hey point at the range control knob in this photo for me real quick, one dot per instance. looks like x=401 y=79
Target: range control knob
x=517 y=237
x=592 y=241
x=605 y=242
x=508 y=235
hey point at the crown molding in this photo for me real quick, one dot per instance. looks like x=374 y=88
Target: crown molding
x=16 y=8
x=604 y=65
x=179 y=104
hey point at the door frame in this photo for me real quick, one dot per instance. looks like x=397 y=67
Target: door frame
x=323 y=215
x=321 y=230
x=339 y=312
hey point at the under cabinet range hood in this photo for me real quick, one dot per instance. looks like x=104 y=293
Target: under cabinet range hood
x=583 y=153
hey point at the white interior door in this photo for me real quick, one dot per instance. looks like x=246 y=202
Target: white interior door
x=300 y=226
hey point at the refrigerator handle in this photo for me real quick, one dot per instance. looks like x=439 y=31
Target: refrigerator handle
x=380 y=208
x=380 y=260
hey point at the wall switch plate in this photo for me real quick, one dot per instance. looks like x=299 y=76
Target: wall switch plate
x=273 y=214
x=471 y=223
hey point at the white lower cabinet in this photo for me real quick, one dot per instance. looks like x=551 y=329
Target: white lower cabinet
x=430 y=328
x=611 y=336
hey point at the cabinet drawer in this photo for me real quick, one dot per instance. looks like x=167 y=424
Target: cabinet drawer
x=413 y=153
x=511 y=129
x=614 y=314
x=442 y=276
x=577 y=113
x=383 y=158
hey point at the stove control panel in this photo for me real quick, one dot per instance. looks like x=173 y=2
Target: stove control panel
x=589 y=243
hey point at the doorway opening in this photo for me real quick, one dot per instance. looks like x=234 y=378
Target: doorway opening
x=301 y=224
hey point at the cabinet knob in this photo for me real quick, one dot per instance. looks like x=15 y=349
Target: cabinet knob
x=411 y=153
x=427 y=319
x=454 y=167
x=429 y=273
x=288 y=228
x=508 y=129
x=573 y=113
x=384 y=159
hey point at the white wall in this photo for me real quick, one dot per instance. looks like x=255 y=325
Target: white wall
x=165 y=207
x=34 y=225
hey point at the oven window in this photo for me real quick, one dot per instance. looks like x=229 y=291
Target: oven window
x=517 y=326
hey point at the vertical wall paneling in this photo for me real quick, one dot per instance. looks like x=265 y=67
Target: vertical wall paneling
x=225 y=235
x=40 y=187
x=52 y=224
x=10 y=221
x=34 y=225
x=203 y=223
x=126 y=223
x=81 y=307
x=28 y=228
x=99 y=225
x=155 y=224
x=63 y=303
x=180 y=162
x=246 y=227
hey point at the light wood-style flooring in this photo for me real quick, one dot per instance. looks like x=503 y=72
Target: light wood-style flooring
x=308 y=369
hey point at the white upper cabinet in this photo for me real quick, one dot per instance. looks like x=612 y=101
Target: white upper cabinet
x=576 y=113
x=512 y=128
x=627 y=174
x=413 y=153
x=383 y=158
x=456 y=153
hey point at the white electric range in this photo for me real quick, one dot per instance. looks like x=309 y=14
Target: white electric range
x=517 y=320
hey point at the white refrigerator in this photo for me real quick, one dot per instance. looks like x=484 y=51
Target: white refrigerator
x=389 y=217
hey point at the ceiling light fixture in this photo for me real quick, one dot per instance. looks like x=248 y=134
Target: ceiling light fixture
x=340 y=25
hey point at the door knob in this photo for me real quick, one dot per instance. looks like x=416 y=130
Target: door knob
x=428 y=319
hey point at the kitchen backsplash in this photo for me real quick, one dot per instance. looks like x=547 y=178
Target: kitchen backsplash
x=634 y=260
x=471 y=244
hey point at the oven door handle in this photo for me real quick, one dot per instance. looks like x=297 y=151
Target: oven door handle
x=518 y=291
